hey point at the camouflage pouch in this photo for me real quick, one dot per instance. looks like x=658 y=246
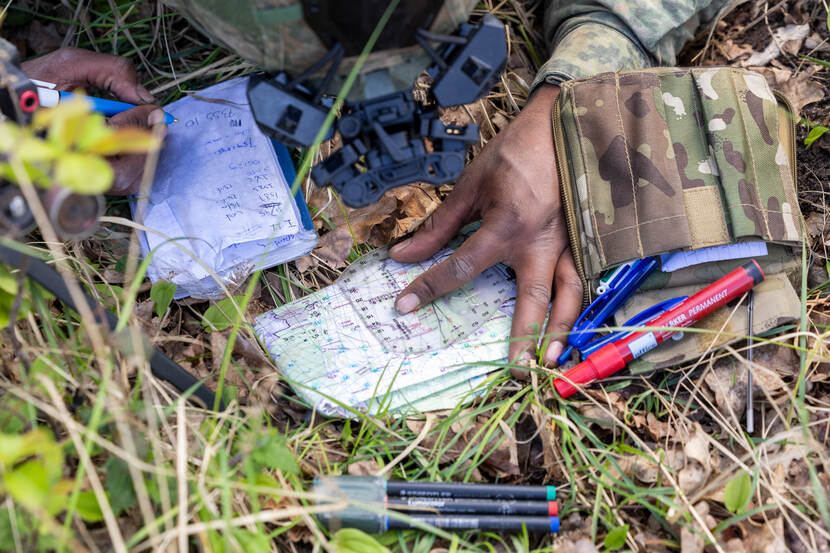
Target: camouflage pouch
x=677 y=159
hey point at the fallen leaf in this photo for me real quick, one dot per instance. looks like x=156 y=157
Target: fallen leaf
x=817 y=44
x=732 y=50
x=692 y=539
x=698 y=461
x=728 y=383
x=768 y=539
x=396 y=214
x=789 y=38
x=799 y=90
x=582 y=545
x=366 y=467
x=658 y=430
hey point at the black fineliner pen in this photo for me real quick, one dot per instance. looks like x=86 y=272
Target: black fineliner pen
x=459 y=490
x=534 y=525
x=438 y=505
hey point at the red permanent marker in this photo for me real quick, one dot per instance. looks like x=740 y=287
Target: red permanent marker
x=614 y=356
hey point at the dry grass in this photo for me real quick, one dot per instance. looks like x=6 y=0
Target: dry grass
x=147 y=472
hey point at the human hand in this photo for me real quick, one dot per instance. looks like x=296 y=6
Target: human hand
x=512 y=186
x=71 y=68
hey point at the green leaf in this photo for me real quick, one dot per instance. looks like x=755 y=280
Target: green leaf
x=222 y=314
x=162 y=294
x=814 y=134
x=8 y=281
x=271 y=452
x=119 y=485
x=88 y=507
x=352 y=540
x=29 y=484
x=616 y=538
x=738 y=492
x=12 y=448
x=84 y=173
x=252 y=542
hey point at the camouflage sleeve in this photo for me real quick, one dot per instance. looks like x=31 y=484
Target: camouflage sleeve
x=586 y=37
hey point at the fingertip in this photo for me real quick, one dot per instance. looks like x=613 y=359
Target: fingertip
x=399 y=248
x=156 y=117
x=552 y=354
x=524 y=360
x=144 y=94
x=407 y=303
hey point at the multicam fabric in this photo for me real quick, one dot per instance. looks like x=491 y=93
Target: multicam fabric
x=587 y=37
x=273 y=35
x=667 y=159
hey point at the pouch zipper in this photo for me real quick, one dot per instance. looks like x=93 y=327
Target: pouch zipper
x=567 y=194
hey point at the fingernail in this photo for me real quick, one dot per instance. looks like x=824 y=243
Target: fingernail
x=401 y=246
x=553 y=353
x=156 y=116
x=144 y=94
x=525 y=360
x=406 y=304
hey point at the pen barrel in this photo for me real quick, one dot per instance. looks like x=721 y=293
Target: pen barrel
x=708 y=300
x=101 y=105
x=534 y=525
x=602 y=363
x=472 y=506
x=460 y=490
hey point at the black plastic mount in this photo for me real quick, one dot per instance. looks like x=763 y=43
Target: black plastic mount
x=467 y=64
x=286 y=109
x=383 y=149
x=384 y=137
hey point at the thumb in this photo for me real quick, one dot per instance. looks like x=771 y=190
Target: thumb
x=142 y=116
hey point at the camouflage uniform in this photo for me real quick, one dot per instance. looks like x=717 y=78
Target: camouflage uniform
x=273 y=35
x=587 y=37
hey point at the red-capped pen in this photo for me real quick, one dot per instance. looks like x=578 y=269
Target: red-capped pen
x=616 y=355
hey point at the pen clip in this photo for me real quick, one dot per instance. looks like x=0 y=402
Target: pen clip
x=44 y=84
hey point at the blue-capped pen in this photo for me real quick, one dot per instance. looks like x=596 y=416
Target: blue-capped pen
x=50 y=97
x=640 y=319
x=619 y=288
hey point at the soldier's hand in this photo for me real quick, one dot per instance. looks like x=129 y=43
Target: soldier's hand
x=512 y=186
x=71 y=68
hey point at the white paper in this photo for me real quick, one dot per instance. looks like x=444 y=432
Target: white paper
x=220 y=194
x=678 y=260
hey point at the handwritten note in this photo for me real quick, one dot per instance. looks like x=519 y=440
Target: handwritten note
x=220 y=201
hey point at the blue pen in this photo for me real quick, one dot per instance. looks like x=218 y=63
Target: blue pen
x=620 y=287
x=640 y=319
x=50 y=97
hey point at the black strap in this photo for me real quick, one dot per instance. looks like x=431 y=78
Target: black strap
x=162 y=366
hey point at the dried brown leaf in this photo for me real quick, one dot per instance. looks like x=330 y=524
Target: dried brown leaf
x=582 y=545
x=366 y=467
x=800 y=90
x=768 y=539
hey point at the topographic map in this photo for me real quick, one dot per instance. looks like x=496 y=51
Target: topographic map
x=345 y=347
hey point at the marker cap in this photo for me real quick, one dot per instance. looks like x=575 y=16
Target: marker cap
x=553 y=509
x=554 y=525
x=551 y=493
x=358 y=489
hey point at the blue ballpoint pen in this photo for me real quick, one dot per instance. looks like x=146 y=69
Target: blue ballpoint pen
x=620 y=288
x=50 y=97
x=640 y=319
